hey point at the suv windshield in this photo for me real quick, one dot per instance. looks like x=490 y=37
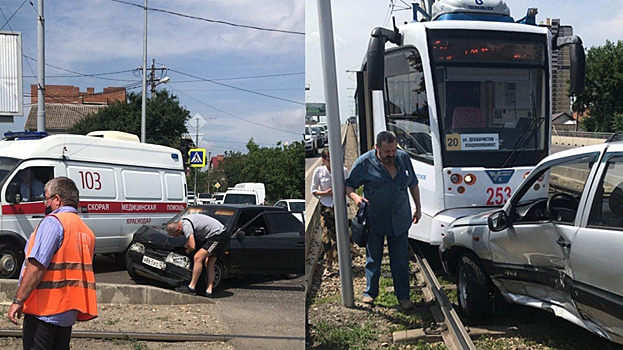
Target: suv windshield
x=234 y=198
x=491 y=94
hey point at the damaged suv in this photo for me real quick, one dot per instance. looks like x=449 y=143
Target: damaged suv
x=555 y=245
x=263 y=240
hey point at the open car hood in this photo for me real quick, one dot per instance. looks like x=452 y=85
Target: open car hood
x=156 y=237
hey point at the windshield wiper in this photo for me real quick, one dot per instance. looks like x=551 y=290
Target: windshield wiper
x=535 y=124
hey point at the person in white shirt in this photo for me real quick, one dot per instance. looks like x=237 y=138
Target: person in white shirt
x=322 y=188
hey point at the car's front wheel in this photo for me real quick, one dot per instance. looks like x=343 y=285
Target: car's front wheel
x=475 y=290
x=202 y=284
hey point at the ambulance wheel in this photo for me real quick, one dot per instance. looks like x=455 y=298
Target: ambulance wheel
x=11 y=260
x=131 y=271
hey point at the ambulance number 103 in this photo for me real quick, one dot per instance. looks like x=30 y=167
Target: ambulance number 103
x=90 y=180
x=498 y=195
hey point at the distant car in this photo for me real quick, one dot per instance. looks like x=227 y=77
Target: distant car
x=555 y=245
x=204 y=198
x=217 y=198
x=322 y=135
x=296 y=206
x=311 y=141
x=263 y=240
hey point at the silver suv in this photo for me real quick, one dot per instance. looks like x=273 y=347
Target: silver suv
x=555 y=245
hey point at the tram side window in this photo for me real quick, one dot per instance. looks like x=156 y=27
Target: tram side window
x=407 y=103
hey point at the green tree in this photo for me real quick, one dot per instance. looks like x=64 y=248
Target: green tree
x=280 y=168
x=603 y=96
x=165 y=119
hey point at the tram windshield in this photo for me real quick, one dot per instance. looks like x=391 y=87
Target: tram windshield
x=491 y=98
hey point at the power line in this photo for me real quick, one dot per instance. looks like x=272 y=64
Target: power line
x=242 y=78
x=229 y=90
x=79 y=73
x=7 y=21
x=236 y=88
x=233 y=115
x=84 y=74
x=211 y=20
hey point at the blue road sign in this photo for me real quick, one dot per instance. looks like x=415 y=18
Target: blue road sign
x=197 y=157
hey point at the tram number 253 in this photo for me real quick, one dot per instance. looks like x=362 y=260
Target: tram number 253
x=498 y=195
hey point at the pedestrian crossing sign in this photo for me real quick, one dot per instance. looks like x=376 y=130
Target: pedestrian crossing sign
x=197 y=157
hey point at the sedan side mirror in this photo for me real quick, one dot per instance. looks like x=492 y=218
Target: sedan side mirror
x=498 y=221
x=239 y=234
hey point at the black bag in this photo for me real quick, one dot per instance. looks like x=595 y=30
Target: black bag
x=359 y=226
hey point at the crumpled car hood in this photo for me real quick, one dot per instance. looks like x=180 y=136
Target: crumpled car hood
x=156 y=237
x=471 y=220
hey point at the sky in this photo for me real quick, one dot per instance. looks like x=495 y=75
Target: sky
x=595 y=22
x=106 y=36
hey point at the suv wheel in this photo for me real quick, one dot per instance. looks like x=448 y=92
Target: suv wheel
x=475 y=290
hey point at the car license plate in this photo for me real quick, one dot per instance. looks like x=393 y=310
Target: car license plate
x=154 y=263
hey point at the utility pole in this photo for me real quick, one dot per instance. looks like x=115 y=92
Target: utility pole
x=156 y=81
x=144 y=104
x=209 y=170
x=152 y=80
x=40 y=68
x=337 y=154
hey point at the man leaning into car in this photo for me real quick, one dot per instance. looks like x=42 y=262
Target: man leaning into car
x=205 y=236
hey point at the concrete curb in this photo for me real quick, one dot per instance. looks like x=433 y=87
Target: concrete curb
x=109 y=293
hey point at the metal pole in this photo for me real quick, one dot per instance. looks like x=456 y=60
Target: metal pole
x=335 y=149
x=153 y=78
x=196 y=145
x=40 y=68
x=209 y=170
x=144 y=105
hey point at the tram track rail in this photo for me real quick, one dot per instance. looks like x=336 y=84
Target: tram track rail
x=455 y=335
x=155 y=337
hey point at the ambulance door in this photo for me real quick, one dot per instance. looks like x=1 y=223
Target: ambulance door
x=99 y=206
x=21 y=215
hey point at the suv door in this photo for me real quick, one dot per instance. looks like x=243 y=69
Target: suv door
x=269 y=243
x=531 y=257
x=596 y=259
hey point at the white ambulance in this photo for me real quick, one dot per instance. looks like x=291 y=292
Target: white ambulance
x=123 y=185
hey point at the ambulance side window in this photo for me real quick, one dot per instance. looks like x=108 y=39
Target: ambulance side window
x=31 y=182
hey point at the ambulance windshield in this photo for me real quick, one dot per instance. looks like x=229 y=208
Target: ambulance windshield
x=6 y=165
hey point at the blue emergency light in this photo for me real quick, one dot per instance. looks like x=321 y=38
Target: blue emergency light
x=25 y=135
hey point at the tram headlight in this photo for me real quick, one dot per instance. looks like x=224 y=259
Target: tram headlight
x=461 y=190
x=470 y=179
x=456 y=179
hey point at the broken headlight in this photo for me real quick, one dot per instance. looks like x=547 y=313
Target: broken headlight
x=137 y=247
x=179 y=260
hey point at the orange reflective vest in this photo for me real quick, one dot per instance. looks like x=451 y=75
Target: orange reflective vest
x=69 y=282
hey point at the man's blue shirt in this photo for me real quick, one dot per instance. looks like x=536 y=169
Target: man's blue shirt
x=389 y=211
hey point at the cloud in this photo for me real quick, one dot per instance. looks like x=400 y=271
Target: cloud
x=102 y=30
x=229 y=133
